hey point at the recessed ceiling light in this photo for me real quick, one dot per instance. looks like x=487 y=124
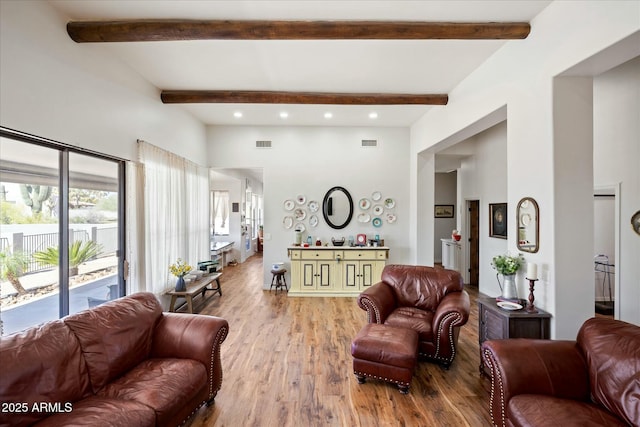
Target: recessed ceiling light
x=373 y=115
x=284 y=115
x=237 y=114
x=328 y=115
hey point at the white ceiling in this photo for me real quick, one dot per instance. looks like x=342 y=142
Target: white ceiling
x=430 y=66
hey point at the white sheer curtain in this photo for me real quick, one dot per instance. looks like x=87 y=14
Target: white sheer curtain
x=135 y=228
x=173 y=200
x=221 y=211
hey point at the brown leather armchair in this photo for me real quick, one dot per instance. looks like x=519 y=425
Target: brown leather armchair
x=428 y=300
x=592 y=381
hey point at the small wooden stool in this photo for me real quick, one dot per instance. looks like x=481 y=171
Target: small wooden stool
x=278 y=280
x=385 y=352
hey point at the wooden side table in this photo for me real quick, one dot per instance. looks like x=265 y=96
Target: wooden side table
x=199 y=286
x=495 y=323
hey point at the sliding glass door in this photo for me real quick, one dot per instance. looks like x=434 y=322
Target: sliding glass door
x=61 y=230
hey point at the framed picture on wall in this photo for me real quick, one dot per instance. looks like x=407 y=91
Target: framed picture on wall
x=443 y=211
x=498 y=220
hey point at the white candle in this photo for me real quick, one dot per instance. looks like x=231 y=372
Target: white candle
x=532 y=271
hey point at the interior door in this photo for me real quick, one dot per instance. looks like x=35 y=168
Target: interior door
x=474 y=242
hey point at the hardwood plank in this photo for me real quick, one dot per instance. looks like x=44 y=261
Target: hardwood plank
x=275 y=97
x=287 y=361
x=184 y=29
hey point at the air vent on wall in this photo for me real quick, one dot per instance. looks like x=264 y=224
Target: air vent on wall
x=263 y=144
x=369 y=142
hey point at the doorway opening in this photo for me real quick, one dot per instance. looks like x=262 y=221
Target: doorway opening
x=473 y=254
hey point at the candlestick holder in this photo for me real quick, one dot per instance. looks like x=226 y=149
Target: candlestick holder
x=530 y=307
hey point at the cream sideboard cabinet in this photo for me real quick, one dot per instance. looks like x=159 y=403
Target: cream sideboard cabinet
x=335 y=270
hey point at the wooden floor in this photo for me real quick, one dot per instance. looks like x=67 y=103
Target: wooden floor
x=287 y=362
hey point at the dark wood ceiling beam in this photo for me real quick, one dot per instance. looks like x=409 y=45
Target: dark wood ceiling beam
x=172 y=30
x=274 y=97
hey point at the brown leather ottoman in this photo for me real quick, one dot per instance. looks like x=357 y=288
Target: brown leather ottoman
x=386 y=353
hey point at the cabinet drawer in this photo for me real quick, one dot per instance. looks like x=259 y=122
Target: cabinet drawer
x=353 y=255
x=295 y=255
x=317 y=254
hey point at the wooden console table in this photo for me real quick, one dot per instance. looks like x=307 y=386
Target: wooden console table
x=199 y=286
x=495 y=323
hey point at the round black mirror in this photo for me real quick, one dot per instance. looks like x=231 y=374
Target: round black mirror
x=337 y=207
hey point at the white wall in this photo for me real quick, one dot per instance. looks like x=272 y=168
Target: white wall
x=77 y=94
x=616 y=136
x=311 y=160
x=445 y=194
x=521 y=76
x=483 y=177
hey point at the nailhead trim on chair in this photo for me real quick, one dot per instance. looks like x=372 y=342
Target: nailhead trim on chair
x=496 y=373
x=381 y=378
x=215 y=351
x=192 y=412
x=370 y=308
x=222 y=334
x=446 y=360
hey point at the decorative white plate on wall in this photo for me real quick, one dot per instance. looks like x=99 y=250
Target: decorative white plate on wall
x=313 y=206
x=300 y=214
x=289 y=205
x=301 y=199
x=364 y=204
x=287 y=221
x=313 y=221
x=300 y=227
x=389 y=203
x=364 y=217
x=376 y=196
x=378 y=209
x=391 y=218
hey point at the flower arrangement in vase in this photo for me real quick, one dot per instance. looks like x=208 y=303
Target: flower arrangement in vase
x=180 y=269
x=507 y=265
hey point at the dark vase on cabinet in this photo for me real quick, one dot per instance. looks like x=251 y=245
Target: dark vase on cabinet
x=495 y=323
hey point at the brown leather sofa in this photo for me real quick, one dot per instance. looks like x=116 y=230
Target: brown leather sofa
x=430 y=301
x=593 y=381
x=123 y=363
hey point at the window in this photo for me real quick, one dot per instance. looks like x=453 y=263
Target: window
x=220 y=210
x=58 y=207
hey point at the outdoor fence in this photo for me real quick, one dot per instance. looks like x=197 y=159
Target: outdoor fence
x=106 y=238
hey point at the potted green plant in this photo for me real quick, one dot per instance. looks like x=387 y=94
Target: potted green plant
x=507 y=265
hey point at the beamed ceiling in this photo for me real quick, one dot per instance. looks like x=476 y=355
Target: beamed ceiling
x=260 y=58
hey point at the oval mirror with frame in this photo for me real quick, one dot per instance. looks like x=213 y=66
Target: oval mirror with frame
x=337 y=207
x=528 y=225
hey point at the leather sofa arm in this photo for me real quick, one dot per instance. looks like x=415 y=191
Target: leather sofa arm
x=533 y=366
x=192 y=336
x=452 y=312
x=378 y=301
